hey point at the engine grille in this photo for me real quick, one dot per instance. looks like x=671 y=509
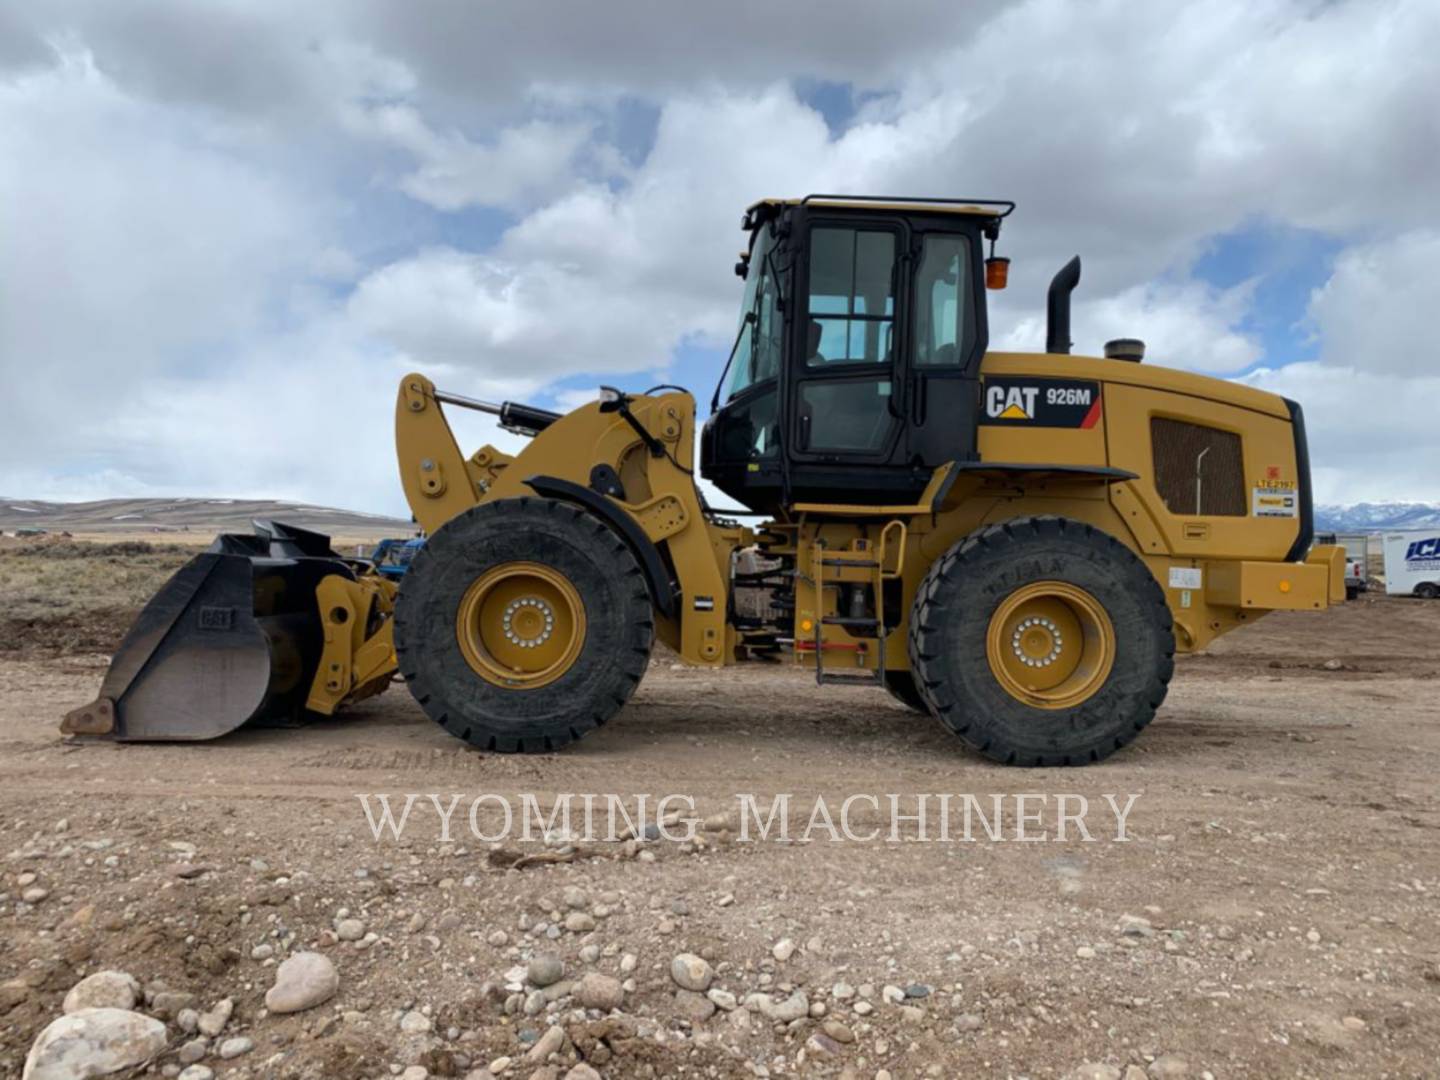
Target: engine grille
x=1177 y=446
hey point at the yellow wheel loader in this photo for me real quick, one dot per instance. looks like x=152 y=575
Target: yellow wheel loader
x=1015 y=543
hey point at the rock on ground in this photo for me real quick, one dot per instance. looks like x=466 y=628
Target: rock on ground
x=233 y=1048
x=93 y=1042
x=214 y=1021
x=694 y=1007
x=691 y=972
x=791 y=1008
x=549 y=1043
x=1168 y=1066
x=545 y=969
x=302 y=981
x=350 y=929
x=103 y=990
x=602 y=992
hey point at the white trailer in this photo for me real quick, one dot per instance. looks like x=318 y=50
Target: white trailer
x=1412 y=564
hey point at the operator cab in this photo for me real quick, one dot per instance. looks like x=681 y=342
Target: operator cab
x=855 y=368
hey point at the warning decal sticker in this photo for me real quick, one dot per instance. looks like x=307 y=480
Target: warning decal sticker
x=1275 y=499
x=1186 y=577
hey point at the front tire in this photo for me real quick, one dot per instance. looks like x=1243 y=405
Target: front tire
x=523 y=624
x=1042 y=641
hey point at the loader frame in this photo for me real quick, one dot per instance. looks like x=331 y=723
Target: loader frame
x=1245 y=566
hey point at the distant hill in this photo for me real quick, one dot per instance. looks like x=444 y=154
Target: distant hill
x=1374 y=517
x=234 y=515
x=204 y=516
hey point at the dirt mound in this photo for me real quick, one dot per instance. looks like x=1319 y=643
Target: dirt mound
x=95 y=632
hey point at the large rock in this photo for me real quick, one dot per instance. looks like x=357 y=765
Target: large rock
x=545 y=969
x=791 y=1008
x=93 y=1042
x=103 y=990
x=603 y=992
x=303 y=981
x=697 y=1008
x=691 y=972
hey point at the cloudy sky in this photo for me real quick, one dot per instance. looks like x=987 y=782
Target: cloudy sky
x=227 y=228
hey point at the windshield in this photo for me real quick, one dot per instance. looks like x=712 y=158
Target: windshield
x=756 y=356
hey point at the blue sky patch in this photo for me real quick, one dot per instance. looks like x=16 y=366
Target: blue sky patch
x=1287 y=264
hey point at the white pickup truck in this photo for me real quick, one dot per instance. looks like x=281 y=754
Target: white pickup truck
x=1355 y=582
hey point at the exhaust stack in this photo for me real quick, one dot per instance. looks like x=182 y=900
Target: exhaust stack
x=1057 y=307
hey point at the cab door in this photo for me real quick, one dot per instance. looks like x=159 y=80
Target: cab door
x=946 y=343
x=848 y=338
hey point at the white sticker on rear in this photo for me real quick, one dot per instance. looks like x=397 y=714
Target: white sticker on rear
x=1186 y=577
x=1276 y=500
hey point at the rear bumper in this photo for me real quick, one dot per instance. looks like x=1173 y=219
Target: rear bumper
x=1315 y=584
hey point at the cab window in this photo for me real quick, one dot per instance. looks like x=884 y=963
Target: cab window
x=852 y=297
x=944 y=317
x=758 y=344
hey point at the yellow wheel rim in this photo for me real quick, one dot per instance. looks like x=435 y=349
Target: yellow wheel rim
x=521 y=625
x=1050 y=645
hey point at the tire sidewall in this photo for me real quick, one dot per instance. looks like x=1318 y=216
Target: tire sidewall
x=991 y=567
x=618 y=618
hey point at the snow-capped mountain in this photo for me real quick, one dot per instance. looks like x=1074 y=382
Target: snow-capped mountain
x=1371 y=517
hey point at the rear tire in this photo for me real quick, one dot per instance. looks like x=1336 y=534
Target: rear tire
x=523 y=624
x=901 y=685
x=1427 y=590
x=1035 y=599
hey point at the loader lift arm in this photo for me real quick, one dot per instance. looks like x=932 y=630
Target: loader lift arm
x=658 y=513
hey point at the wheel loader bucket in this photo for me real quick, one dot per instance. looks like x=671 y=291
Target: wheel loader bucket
x=233 y=638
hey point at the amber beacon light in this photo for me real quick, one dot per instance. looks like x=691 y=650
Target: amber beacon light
x=997 y=272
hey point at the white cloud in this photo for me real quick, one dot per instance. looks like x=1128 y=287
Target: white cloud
x=1370 y=398
x=1187 y=325
x=1372 y=434
x=1378 y=310
x=204 y=244
x=604 y=281
x=132 y=250
x=517 y=327
x=523 y=166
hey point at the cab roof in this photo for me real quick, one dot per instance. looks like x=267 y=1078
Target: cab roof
x=993 y=209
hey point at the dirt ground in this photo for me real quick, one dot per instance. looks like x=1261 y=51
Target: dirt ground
x=1272 y=914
